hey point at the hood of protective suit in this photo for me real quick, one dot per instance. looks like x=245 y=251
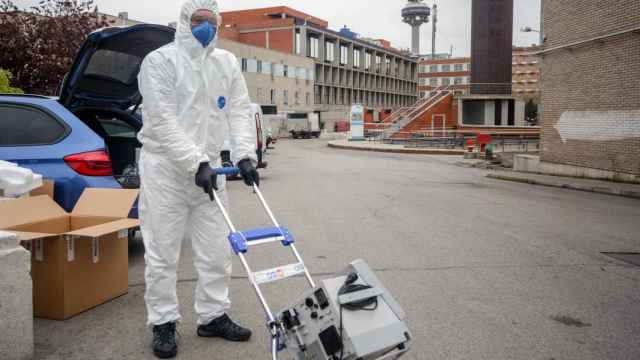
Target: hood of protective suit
x=185 y=41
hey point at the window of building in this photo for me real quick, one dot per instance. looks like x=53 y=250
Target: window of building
x=446 y=81
x=367 y=60
x=266 y=67
x=301 y=73
x=344 y=55
x=259 y=66
x=423 y=94
x=329 y=51
x=278 y=70
x=311 y=75
x=297 y=44
x=423 y=81
x=292 y=72
x=285 y=71
x=457 y=81
x=314 y=47
x=243 y=64
x=378 y=62
x=446 y=67
x=308 y=98
x=297 y=98
x=273 y=96
x=433 y=82
x=433 y=68
x=458 y=67
x=285 y=97
x=356 y=58
x=21 y=125
x=252 y=66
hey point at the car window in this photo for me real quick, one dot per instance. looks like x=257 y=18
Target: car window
x=117 y=128
x=24 y=125
x=113 y=65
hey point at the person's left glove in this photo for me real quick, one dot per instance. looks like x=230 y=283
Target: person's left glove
x=207 y=179
x=249 y=172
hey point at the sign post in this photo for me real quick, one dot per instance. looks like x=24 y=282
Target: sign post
x=357 y=123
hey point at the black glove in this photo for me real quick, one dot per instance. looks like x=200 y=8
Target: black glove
x=206 y=178
x=249 y=172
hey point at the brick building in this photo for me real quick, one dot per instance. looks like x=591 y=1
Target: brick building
x=438 y=72
x=347 y=68
x=526 y=73
x=591 y=87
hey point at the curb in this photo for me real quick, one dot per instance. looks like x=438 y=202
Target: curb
x=593 y=189
x=397 y=151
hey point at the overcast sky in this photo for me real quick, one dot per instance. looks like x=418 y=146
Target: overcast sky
x=370 y=18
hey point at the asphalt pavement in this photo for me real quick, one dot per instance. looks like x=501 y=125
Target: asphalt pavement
x=485 y=269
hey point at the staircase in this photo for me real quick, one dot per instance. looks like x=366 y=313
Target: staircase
x=413 y=118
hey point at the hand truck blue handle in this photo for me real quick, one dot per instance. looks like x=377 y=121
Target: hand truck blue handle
x=227 y=171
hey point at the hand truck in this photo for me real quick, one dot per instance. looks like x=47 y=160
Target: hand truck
x=241 y=241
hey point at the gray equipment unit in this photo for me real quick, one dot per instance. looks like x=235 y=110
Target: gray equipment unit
x=345 y=318
x=349 y=317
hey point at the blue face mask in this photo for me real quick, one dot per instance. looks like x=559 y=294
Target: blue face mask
x=204 y=33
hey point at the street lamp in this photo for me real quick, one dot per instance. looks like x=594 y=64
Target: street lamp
x=527 y=29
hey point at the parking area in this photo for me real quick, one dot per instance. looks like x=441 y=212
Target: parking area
x=484 y=269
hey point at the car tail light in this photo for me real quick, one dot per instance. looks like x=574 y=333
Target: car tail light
x=94 y=163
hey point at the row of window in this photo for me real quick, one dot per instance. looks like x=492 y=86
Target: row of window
x=444 y=68
x=330 y=54
x=273 y=97
x=444 y=81
x=270 y=68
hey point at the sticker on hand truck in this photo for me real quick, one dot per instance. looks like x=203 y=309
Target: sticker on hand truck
x=279 y=273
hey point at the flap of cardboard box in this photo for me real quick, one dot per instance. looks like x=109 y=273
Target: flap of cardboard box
x=105 y=202
x=28 y=210
x=26 y=236
x=46 y=189
x=105 y=229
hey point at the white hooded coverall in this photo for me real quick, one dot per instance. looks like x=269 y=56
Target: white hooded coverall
x=191 y=95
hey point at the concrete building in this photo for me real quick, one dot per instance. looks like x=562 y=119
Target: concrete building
x=454 y=73
x=276 y=80
x=591 y=87
x=348 y=68
x=526 y=73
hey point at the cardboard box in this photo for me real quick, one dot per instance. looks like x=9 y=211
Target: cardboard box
x=79 y=260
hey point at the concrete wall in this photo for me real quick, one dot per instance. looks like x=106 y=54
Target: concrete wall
x=16 y=311
x=591 y=92
x=260 y=85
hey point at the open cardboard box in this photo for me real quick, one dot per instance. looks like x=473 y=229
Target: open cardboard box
x=79 y=260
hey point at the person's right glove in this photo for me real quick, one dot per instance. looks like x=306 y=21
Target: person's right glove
x=207 y=179
x=249 y=172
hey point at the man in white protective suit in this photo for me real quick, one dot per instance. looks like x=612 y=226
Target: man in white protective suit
x=192 y=92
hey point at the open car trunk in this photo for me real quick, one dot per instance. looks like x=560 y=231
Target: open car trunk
x=118 y=129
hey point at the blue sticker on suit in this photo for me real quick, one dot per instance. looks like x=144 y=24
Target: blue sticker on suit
x=222 y=102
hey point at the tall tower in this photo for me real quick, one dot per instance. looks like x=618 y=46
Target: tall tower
x=491 y=46
x=415 y=13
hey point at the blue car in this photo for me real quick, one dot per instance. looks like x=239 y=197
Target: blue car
x=87 y=136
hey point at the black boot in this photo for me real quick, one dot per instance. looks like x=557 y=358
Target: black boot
x=225 y=328
x=164 y=341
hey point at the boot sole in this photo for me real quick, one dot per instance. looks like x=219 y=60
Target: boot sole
x=208 y=335
x=165 y=354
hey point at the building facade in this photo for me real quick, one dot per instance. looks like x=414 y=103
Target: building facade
x=348 y=69
x=275 y=79
x=591 y=85
x=454 y=73
x=526 y=73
